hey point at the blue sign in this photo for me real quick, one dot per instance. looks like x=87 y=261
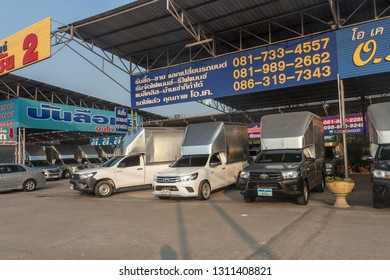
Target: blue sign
x=297 y=62
x=45 y=115
x=109 y=140
x=364 y=49
x=121 y=119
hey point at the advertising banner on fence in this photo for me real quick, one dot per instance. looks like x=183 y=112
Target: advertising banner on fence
x=302 y=61
x=26 y=47
x=364 y=49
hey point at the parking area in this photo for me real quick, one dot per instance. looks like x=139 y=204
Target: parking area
x=57 y=223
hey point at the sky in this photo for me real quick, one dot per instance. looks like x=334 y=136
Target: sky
x=68 y=70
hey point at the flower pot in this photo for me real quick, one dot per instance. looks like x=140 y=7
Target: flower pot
x=340 y=189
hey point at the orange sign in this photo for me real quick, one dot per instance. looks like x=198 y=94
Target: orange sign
x=26 y=47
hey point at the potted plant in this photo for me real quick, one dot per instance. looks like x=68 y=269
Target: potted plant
x=340 y=187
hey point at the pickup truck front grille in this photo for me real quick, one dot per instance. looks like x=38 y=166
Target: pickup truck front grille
x=260 y=176
x=167 y=180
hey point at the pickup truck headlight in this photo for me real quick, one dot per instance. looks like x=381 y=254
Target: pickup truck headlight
x=290 y=174
x=87 y=175
x=187 y=178
x=155 y=178
x=376 y=173
x=244 y=175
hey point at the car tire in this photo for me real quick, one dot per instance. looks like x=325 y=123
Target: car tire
x=29 y=185
x=67 y=174
x=204 y=190
x=378 y=203
x=103 y=189
x=249 y=199
x=304 y=198
x=321 y=188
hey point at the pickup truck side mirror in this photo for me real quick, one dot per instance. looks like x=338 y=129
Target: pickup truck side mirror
x=215 y=164
x=310 y=159
x=368 y=158
x=250 y=160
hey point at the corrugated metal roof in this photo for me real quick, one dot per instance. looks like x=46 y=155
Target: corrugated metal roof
x=147 y=27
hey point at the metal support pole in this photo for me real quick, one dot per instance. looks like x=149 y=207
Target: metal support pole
x=340 y=85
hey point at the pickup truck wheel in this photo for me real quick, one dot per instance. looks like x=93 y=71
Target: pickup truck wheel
x=204 y=191
x=29 y=185
x=321 y=188
x=378 y=203
x=67 y=174
x=249 y=199
x=163 y=197
x=304 y=198
x=103 y=189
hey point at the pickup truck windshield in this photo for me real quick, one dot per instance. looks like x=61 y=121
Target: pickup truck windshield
x=279 y=156
x=41 y=163
x=384 y=152
x=191 y=161
x=112 y=161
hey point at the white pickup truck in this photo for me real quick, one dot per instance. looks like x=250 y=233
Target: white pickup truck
x=119 y=172
x=196 y=176
x=213 y=154
x=142 y=153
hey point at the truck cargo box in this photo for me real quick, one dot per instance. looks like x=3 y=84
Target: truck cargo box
x=211 y=137
x=294 y=130
x=159 y=144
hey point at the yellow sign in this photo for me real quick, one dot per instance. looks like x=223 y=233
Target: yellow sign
x=26 y=47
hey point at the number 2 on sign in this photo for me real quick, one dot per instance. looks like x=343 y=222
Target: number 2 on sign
x=30 y=44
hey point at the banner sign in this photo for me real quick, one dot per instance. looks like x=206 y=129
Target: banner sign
x=254 y=131
x=301 y=61
x=45 y=115
x=364 y=49
x=354 y=124
x=26 y=47
x=121 y=119
x=8 y=122
x=110 y=140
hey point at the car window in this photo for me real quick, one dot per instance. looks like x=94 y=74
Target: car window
x=215 y=159
x=16 y=168
x=130 y=161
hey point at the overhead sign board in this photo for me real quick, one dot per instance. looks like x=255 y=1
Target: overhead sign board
x=28 y=113
x=364 y=49
x=26 y=47
x=297 y=62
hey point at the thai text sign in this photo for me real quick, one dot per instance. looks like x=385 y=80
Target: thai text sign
x=8 y=123
x=45 y=115
x=354 y=124
x=297 y=62
x=254 y=131
x=26 y=47
x=109 y=140
x=364 y=49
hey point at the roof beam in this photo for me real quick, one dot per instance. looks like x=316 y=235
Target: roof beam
x=194 y=28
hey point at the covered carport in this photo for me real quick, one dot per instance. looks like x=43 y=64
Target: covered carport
x=152 y=34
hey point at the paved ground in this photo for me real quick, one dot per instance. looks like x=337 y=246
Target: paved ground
x=57 y=223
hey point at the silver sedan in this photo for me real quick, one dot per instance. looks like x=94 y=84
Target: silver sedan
x=19 y=176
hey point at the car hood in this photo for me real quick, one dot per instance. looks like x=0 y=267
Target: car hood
x=271 y=167
x=89 y=170
x=179 y=171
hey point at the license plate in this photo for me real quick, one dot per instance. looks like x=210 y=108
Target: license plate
x=264 y=192
x=165 y=192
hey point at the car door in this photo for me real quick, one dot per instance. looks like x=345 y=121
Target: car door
x=3 y=177
x=130 y=172
x=15 y=176
x=217 y=171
